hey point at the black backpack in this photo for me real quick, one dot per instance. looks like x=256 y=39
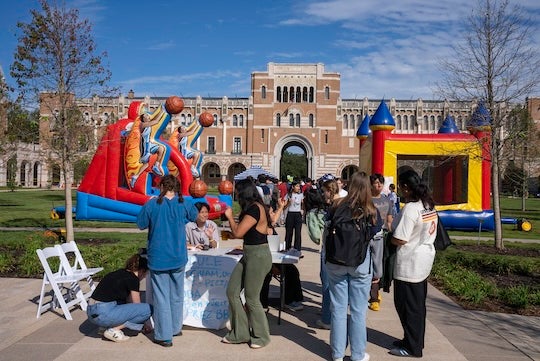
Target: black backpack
x=347 y=239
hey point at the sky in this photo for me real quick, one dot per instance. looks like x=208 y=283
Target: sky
x=381 y=48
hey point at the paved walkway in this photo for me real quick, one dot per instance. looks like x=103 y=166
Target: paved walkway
x=451 y=334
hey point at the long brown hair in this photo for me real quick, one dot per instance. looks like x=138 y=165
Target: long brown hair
x=359 y=197
x=169 y=183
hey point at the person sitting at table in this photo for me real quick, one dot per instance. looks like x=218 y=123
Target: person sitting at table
x=116 y=302
x=293 y=287
x=203 y=233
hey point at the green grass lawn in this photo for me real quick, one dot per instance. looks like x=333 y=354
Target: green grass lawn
x=31 y=208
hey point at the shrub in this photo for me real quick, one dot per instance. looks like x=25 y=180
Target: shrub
x=517 y=296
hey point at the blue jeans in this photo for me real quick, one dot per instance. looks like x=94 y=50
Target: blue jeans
x=168 y=294
x=111 y=314
x=349 y=287
x=325 y=304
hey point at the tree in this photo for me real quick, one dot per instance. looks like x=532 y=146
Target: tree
x=497 y=64
x=56 y=61
x=22 y=125
x=522 y=150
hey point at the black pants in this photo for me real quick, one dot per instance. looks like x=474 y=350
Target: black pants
x=410 y=302
x=293 y=287
x=293 y=223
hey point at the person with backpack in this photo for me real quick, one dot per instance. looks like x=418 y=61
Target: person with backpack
x=352 y=224
x=415 y=229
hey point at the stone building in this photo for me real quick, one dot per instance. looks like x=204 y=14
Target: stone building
x=290 y=105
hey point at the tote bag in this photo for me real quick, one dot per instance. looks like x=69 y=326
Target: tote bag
x=442 y=240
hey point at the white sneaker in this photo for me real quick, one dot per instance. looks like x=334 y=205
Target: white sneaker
x=115 y=335
x=366 y=357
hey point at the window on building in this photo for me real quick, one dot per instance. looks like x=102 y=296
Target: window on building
x=311 y=92
x=326 y=92
x=398 y=122
x=311 y=122
x=278 y=120
x=285 y=95
x=241 y=120
x=291 y=120
x=263 y=92
x=439 y=121
x=298 y=94
x=235 y=120
x=291 y=94
x=358 y=121
x=213 y=171
x=298 y=120
x=432 y=122
x=405 y=123
x=326 y=137
x=211 y=148
x=183 y=119
x=188 y=119
x=262 y=135
x=345 y=122
x=426 y=123
x=237 y=145
x=278 y=94
x=215 y=119
x=304 y=94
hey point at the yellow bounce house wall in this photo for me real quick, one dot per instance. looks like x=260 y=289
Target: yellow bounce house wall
x=469 y=150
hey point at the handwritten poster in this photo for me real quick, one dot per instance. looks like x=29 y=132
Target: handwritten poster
x=205 y=298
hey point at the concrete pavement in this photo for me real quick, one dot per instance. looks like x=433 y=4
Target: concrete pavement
x=451 y=333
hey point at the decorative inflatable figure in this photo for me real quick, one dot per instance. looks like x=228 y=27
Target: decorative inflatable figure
x=151 y=127
x=187 y=137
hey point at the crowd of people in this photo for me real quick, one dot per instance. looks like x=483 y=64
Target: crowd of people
x=176 y=225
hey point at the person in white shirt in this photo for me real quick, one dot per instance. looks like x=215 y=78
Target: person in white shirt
x=342 y=192
x=203 y=233
x=415 y=229
x=293 y=222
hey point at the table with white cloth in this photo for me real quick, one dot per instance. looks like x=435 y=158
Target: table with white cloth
x=207 y=274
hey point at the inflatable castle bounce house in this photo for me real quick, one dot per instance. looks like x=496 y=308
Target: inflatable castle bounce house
x=456 y=166
x=133 y=156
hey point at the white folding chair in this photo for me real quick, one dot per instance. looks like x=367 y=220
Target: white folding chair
x=78 y=265
x=63 y=296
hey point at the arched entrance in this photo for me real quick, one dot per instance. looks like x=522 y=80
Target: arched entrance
x=211 y=174
x=348 y=171
x=294 y=156
x=234 y=169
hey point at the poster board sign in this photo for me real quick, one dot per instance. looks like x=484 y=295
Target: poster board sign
x=205 y=286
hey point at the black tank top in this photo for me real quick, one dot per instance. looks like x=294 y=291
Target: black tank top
x=253 y=236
